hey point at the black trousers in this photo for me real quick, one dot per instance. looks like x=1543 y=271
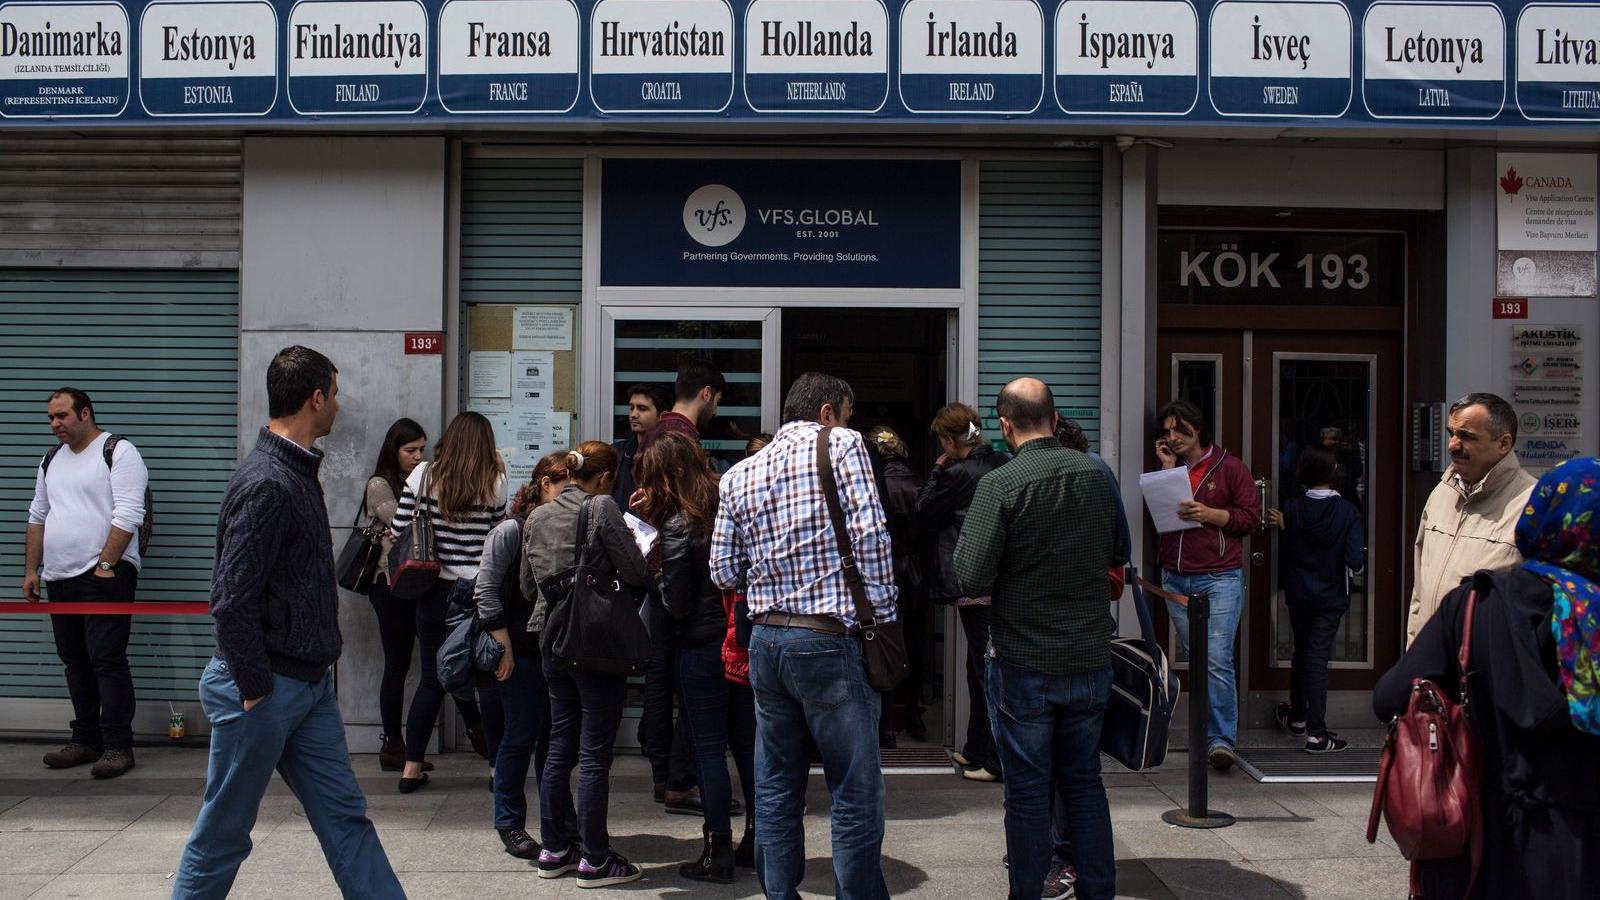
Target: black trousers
x=1314 y=631
x=94 y=650
x=663 y=738
x=425 y=703
x=979 y=748
x=397 y=632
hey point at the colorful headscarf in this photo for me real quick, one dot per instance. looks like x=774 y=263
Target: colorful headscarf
x=1557 y=537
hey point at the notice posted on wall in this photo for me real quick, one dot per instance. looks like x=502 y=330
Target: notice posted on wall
x=1546 y=221
x=541 y=328
x=489 y=374
x=1547 y=391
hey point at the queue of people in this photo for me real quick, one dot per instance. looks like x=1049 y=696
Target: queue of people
x=758 y=624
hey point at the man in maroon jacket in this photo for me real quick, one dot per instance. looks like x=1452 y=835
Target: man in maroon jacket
x=1209 y=559
x=696 y=394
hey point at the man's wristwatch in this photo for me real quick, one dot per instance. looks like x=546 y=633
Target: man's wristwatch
x=104 y=566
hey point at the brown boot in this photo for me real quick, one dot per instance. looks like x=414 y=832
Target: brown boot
x=392 y=756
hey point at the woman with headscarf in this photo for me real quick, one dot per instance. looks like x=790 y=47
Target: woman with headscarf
x=1535 y=700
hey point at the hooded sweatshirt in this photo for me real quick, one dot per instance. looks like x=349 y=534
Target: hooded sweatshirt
x=1226 y=484
x=1322 y=540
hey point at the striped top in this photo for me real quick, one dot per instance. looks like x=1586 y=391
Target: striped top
x=459 y=545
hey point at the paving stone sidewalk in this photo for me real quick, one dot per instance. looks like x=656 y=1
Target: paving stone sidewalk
x=65 y=835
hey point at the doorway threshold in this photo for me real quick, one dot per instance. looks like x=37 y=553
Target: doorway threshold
x=1283 y=765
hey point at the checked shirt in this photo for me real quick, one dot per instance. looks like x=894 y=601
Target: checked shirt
x=773 y=534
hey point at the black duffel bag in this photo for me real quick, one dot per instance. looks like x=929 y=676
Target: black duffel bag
x=594 y=623
x=1143 y=692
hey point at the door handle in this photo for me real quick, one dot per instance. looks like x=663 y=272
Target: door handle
x=1258 y=558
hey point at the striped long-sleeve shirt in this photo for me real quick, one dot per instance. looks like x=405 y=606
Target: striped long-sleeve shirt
x=458 y=543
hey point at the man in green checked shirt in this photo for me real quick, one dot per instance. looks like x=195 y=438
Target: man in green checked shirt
x=1038 y=538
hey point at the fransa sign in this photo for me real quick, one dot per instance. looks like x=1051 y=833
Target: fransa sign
x=1372 y=61
x=780 y=223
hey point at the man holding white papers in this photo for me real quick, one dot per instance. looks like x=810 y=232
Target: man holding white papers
x=1208 y=556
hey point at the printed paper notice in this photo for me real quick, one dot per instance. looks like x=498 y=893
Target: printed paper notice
x=644 y=534
x=489 y=374
x=541 y=328
x=1546 y=222
x=532 y=384
x=561 y=430
x=490 y=408
x=1163 y=491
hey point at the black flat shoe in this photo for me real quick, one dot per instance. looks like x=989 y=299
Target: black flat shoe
x=409 y=785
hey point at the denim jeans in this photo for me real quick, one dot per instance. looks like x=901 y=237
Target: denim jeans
x=808 y=684
x=94 y=652
x=1047 y=734
x=1226 y=590
x=1314 y=632
x=525 y=697
x=722 y=716
x=585 y=713
x=297 y=730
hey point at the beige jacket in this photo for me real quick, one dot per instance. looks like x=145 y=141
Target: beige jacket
x=1460 y=535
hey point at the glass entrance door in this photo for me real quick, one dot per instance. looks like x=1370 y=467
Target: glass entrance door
x=645 y=345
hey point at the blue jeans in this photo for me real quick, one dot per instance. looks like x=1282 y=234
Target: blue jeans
x=1047 y=734
x=296 y=729
x=722 y=716
x=1226 y=590
x=809 y=684
x=526 y=699
x=585 y=713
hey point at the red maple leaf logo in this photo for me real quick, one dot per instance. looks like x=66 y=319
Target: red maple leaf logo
x=1511 y=182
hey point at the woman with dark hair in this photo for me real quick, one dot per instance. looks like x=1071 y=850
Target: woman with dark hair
x=585 y=707
x=941 y=508
x=1322 y=545
x=1535 y=689
x=898 y=487
x=503 y=610
x=398 y=456
x=463 y=494
x=680 y=498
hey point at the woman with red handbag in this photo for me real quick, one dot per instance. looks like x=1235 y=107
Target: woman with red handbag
x=1533 y=702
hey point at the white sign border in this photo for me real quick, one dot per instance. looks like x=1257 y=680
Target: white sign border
x=1056 y=76
x=733 y=70
x=127 y=94
x=889 y=37
x=278 y=60
x=1044 y=70
x=1516 y=40
x=1210 y=60
x=438 y=70
x=288 y=80
x=1505 y=61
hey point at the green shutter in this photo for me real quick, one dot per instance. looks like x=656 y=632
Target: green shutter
x=1039 y=283
x=521 y=230
x=159 y=354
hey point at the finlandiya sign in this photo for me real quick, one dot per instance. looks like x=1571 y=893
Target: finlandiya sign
x=1546 y=223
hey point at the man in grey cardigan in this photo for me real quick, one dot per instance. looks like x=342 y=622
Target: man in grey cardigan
x=268 y=691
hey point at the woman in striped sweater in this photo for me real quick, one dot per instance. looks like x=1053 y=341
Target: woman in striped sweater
x=463 y=493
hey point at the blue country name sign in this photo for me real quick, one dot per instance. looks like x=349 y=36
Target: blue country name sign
x=972 y=56
x=1433 y=61
x=1558 y=62
x=357 y=57
x=661 y=56
x=816 y=56
x=63 y=60
x=509 y=56
x=208 y=59
x=1127 y=57
x=1281 y=59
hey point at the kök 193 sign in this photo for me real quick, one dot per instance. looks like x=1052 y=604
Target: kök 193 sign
x=781 y=223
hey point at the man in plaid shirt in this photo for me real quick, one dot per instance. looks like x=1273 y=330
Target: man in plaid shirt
x=773 y=536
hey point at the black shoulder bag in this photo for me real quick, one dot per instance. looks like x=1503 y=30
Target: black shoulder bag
x=594 y=620
x=362 y=554
x=883 y=644
x=1143 y=693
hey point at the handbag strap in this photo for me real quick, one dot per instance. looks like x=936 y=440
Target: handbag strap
x=1464 y=655
x=580 y=542
x=852 y=574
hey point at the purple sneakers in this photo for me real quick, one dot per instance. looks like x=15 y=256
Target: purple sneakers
x=614 y=870
x=555 y=865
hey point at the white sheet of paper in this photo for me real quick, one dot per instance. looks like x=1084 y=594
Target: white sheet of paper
x=644 y=534
x=489 y=374
x=541 y=328
x=532 y=381
x=1163 y=491
x=561 y=429
x=490 y=408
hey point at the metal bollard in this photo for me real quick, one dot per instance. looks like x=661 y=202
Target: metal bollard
x=1198 y=815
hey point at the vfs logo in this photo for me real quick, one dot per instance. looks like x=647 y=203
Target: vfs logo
x=714 y=215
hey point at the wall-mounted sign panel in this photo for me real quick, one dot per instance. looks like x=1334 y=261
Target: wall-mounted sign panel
x=810 y=223
x=1458 y=65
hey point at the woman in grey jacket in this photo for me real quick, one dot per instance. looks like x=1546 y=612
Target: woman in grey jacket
x=585 y=707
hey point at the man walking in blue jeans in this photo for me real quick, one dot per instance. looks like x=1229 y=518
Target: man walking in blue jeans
x=774 y=535
x=1209 y=559
x=268 y=692
x=1039 y=537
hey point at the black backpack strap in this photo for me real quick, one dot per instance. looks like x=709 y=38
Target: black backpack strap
x=49 y=455
x=110 y=447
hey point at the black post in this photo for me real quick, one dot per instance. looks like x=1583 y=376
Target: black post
x=1197 y=815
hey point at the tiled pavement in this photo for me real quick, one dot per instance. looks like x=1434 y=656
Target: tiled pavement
x=63 y=835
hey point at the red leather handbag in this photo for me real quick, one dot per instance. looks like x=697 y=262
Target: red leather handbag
x=1431 y=774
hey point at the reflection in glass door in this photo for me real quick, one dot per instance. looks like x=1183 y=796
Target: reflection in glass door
x=646 y=346
x=1325 y=400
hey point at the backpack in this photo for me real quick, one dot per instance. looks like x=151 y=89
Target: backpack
x=148 y=526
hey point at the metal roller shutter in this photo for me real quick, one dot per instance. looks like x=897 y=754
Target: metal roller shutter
x=521 y=230
x=159 y=353
x=119 y=203
x=1039 y=283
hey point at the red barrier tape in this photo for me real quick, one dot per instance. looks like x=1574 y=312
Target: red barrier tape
x=1149 y=588
x=14 y=608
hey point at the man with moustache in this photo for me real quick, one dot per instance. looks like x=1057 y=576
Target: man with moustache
x=1470 y=520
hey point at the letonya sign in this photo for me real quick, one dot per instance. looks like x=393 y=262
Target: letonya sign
x=780 y=223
